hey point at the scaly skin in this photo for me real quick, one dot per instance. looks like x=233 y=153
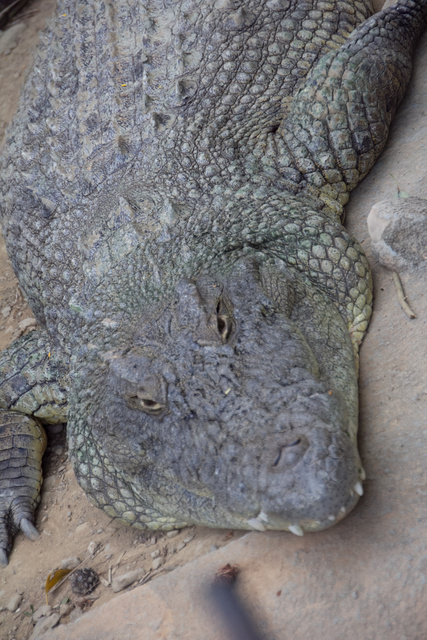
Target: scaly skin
x=172 y=195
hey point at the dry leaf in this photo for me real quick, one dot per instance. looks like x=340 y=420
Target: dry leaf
x=227 y=574
x=53 y=578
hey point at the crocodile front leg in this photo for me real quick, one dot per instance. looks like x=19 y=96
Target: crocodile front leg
x=339 y=120
x=33 y=387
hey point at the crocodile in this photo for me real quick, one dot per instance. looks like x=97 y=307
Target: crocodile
x=172 y=196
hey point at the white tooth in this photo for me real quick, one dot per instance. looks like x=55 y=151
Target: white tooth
x=255 y=523
x=296 y=529
x=362 y=473
x=342 y=510
x=331 y=518
x=263 y=516
x=358 y=488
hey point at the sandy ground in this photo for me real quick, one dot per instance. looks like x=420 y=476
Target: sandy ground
x=393 y=410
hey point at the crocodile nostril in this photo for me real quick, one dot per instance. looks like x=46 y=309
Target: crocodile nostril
x=289 y=453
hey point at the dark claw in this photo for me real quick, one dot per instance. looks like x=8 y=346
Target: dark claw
x=4 y=561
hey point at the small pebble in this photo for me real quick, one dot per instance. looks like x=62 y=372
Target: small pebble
x=155 y=554
x=26 y=323
x=65 y=609
x=58 y=450
x=92 y=547
x=180 y=547
x=69 y=514
x=44 y=624
x=172 y=534
x=157 y=562
x=121 y=582
x=6 y=312
x=99 y=530
x=189 y=539
x=14 y=603
x=82 y=528
x=213 y=547
x=70 y=563
x=153 y=540
x=43 y=611
x=75 y=614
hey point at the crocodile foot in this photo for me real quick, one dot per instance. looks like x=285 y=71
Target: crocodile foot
x=22 y=444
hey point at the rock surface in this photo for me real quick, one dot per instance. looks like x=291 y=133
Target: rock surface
x=398 y=230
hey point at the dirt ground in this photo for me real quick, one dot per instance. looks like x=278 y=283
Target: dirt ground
x=393 y=389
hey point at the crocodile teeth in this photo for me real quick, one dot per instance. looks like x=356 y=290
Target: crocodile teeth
x=331 y=518
x=362 y=473
x=358 y=488
x=296 y=529
x=255 y=523
x=342 y=510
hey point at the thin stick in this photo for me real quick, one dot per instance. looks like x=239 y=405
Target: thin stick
x=401 y=296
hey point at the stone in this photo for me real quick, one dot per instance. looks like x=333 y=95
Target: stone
x=92 y=547
x=43 y=625
x=65 y=608
x=82 y=528
x=121 y=582
x=42 y=612
x=70 y=563
x=27 y=323
x=157 y=563
x=398 y=230
x=14 y=602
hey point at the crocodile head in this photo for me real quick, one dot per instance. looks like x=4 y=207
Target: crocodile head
x=222 y=412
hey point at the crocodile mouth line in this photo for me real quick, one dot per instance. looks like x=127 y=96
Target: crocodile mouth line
x=262 y=520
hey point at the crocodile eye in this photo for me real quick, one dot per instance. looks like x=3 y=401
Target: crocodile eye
x=146 y=404
x=150 y=405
